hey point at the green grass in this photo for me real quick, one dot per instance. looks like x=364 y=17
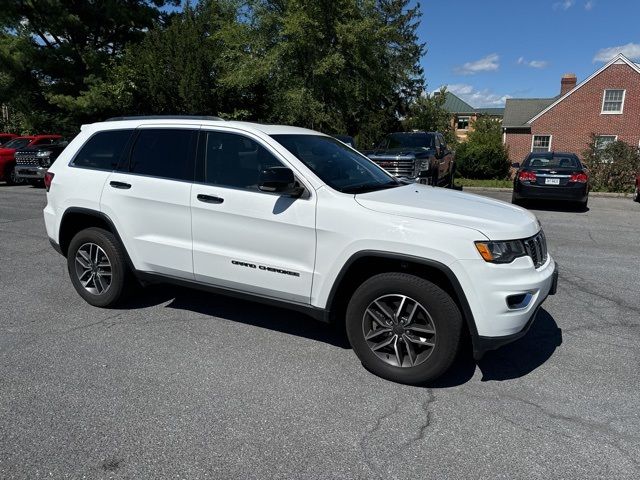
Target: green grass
x=468 y=182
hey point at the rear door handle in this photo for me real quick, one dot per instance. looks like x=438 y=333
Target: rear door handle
x=122 y=185
x=209 y=198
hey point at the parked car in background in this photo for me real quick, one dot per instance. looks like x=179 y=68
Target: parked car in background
x=421 y=157
x=551 y=176
x=346 y=139
x=8 y=150
x=636 y=191
x=5 y=137
x=34 y=161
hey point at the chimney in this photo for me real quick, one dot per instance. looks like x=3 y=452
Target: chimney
x=568 y=83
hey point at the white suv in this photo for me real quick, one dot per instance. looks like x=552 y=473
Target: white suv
x=290 y=216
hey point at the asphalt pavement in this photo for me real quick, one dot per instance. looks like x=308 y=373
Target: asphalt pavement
x=185 y=384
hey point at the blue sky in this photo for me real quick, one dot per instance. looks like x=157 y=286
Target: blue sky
x=489 y=50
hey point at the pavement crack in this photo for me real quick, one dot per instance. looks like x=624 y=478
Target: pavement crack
x=426 y=423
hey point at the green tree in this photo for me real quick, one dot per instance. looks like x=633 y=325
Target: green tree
x=337 y=66
x=612 y=167
x=428 y=113
x=53 y=51
x=483 y=155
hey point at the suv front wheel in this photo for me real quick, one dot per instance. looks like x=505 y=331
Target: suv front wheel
x=403 y=327
x=97 y=267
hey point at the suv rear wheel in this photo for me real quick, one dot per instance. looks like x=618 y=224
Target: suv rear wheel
x=97 y=267
x=403 y=327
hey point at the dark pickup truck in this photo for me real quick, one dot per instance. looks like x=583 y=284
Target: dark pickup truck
x=417 y=156
x=33 y=162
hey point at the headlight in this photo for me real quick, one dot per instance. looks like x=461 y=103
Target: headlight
x=501 y=252
x=43 y=153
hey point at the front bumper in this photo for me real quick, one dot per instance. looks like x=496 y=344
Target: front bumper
x=482 y=344
x=503 y=299
x=30 y=172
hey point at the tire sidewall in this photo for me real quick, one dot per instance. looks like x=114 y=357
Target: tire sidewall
x=108 y=243
x=444 y=313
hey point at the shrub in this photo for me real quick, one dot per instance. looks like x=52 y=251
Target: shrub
x=613 y=167
x=483 y=155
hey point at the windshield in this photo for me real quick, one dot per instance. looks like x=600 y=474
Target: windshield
x=336 y=164
x=409 y=140
x=17 y=143
x=556 y=161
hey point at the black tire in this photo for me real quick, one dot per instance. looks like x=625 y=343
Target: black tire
x=636 y=195
x=515 y=200
x=10 y=176
x=442 y=312
x=583 y=205
x=115 y=254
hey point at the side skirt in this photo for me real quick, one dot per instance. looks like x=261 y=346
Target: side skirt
x=316 y=313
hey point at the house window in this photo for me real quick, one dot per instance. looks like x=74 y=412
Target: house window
x=613 y=101
x=541 y=143
x=602 y=141
x=463 y=123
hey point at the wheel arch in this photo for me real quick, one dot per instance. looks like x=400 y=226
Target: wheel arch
x=76 y=219
x=364 y=264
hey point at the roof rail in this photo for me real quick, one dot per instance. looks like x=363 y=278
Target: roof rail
x=164 y=117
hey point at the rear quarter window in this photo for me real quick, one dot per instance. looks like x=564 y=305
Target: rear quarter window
x=103 y=150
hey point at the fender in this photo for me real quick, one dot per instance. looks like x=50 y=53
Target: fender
x=102 y=216
x=441 y=267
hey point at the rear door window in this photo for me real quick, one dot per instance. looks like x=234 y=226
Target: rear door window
x=103 y=150
x=164 y=152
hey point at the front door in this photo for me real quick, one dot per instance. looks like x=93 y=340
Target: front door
x=245 y=239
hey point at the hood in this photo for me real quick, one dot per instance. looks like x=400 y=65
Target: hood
x=400 y=152
x=7 y=151
x=497 y=220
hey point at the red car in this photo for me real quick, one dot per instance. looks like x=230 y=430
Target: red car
x=5 y=137
x=8 y=150
x=636 y=192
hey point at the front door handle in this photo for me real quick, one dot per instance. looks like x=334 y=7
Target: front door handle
x=210 y=199
x=122 y=185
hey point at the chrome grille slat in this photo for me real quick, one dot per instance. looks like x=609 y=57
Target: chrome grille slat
x=22 y=159
x=398 y=168
x=536 y=248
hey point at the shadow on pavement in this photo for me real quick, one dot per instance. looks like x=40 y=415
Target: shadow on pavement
x=525 y=355
x=241 y=311
x=511 y=361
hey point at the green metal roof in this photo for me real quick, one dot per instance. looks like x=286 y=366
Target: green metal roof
x=496 y=112
x=454 y=104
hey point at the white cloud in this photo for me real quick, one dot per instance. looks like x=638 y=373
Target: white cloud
x=589 y=5
x=563 y=5
x=630 y=50
x=477 y=98
x=489 y=63
x=532 y=63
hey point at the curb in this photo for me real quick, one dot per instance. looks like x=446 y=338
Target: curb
x=591 y=194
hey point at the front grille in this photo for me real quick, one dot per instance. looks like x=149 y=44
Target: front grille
x=398 y=168
x=536 y=248
x=31 y=160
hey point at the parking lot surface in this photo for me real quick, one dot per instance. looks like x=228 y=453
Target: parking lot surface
x=186 y=384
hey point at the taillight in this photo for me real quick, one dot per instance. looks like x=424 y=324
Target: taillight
x=525 y=176
x=579 y=177
x=48 y=178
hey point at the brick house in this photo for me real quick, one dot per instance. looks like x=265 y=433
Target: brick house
x=607 y=104
x=463 y=115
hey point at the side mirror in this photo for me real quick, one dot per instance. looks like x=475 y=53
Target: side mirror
x=515 y=165
x=279 y=180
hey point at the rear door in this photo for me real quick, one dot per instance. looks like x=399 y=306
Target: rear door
x=245 y=239
x=148 y=199
x=446 y=157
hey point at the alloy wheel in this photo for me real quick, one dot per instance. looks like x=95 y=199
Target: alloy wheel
x=93 y=268
x=399 y=330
